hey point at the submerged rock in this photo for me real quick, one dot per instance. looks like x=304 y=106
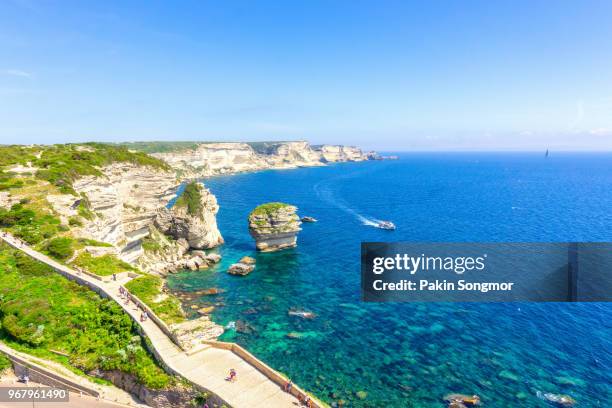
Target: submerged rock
x=304 y=314
x=294 y=335
x=206 y=310
x=247 y=260
x=461 y=400
x=192 y=218
x=560 y=400
x=244 y=327
x=361 y=395
x=211 y=291
x=507 y=375
x=274 y=226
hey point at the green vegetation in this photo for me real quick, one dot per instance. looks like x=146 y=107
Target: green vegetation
x=33 y=226
x=17 y=154
x=75 y=222
x=93 y=242
x=265 y=147
x=4 y=363
x=149 y=244
x=62 y=164
x=41 y=311
x=191 y=198
x=160 y=147
x=83 y=209
x=7 y=181
x=148 y=288
x=268 y=208
x=60 y=248
x=104 y=265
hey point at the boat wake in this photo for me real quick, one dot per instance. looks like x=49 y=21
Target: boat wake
x=325 y=192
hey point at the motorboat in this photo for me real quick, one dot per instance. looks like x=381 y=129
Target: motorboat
x=388 y=225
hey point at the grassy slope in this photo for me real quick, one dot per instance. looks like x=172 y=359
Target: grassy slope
x=169 y=147
x=148 y=289
x=160 y=147
x=104 y=265
x=41 y=311
x=62 y=164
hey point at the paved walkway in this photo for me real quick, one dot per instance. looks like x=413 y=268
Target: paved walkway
x=208 y=367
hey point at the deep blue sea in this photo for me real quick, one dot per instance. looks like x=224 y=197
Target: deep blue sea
x=412 y=354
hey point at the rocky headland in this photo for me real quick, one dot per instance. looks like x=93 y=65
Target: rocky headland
x=208 y=159
x=274 y=226
x=126 y=204
x=192 y=218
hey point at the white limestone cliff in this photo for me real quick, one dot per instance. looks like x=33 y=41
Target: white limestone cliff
x=208 y=159
x=199 y=229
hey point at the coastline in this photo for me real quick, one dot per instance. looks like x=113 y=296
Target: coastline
x=107 y=210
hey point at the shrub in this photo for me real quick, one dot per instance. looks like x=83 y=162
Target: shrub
x=191 y=198
x=75 y=222
x=149 y=244
x=93 y=242
x=104 y=265
x=30 y=225
x=5 y=363
x=60 y=248
x=44 y=311
x=84 y=211
x=268 y=208
x=148 y=288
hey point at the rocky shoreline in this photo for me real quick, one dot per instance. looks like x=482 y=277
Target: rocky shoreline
x=127 y=205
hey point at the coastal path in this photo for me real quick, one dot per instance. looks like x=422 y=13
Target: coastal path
x=207 y=368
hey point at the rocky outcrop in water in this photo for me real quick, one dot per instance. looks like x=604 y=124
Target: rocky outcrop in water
x=193 y=218
x=243 y=267
x=274 y=226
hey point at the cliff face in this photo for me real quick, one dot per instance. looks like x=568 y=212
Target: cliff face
x=213 y=158
x=207 y=159
x=121 y=205
x=125 y=204
x=331 y=154
x=193 y=218
x=274 y=226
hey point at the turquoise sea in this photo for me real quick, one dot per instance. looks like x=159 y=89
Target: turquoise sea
x=410 y=354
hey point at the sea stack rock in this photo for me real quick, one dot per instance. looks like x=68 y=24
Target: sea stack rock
x=193 y=218
x=274 y=226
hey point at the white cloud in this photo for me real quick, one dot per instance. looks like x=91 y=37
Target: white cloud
x=16 y=72
x=601 y=132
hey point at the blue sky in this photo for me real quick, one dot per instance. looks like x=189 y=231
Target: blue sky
x=380 y=74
